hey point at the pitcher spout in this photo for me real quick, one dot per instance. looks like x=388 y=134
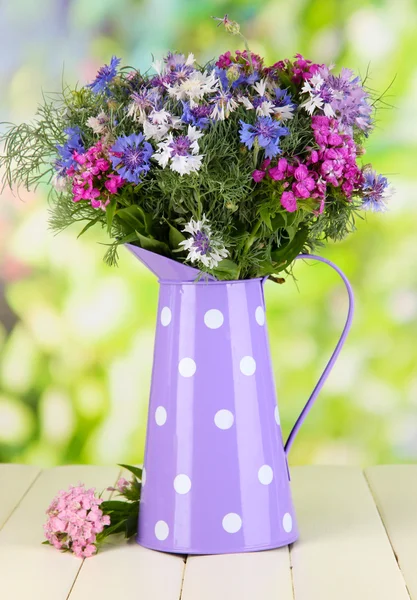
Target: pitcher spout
x=163 y=267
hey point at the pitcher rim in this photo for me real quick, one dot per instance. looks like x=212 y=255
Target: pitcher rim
x=211 y=281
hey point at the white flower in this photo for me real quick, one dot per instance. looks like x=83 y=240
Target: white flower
x=195 y=87
x=99 y=123
x=60 y=183
x=181 y=152
x=202 y=246
x=224 y=104
x=284 y=112
x=159 y=123
x=313 y=88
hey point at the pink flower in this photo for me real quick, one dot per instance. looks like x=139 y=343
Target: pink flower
x=279 y=172
x=259 y=174
x=114 y=182
x=224 y=60
x=74 y=520
x=289 y=201
x=122 y=485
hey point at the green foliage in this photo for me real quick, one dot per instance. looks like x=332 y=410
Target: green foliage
x=261 y=237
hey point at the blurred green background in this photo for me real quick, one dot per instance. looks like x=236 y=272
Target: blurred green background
x=76 y=336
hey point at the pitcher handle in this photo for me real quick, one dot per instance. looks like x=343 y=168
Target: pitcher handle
x=333 y=357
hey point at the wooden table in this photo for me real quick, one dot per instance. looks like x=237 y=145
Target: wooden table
x=358 y=542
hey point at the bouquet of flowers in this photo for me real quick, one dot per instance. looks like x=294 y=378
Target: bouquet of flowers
x=79 y=521
x=233 y=166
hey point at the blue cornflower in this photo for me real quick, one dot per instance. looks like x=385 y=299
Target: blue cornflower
x=374 y=191
x=66 y=151
x=266 y=132
x=105 y=76
x=197 y=116
x=249 y=79
x=130 y=156
x=221 y=75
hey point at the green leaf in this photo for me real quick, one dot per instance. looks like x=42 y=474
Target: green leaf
x=137 y=471
x=226 y=269
x=115 y=506
x=284 y=256
x=46 y=543
x=110 y=212
x=89 y=224
x=266 y=217
x=175 y=237
x=134 y=217
x=278 y=221
x=153 y=245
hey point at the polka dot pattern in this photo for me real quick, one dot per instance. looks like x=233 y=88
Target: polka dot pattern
x=265 y=474
x=166 y=316
x=287 y=522
x=160 y=416
x=260 y=315
x=276 y=416
x=213 y=318
x=232 y=523
x=248 y=365
x=161 y=530
x=182 y=484
x=187 y=367
x=224 y=419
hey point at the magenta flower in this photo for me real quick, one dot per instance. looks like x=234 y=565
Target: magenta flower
x=279 y=172
x=259 y=174
x=289 y=201
x=74 y=520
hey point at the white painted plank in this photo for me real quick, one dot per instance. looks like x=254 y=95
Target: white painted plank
x=258 y=575
x=343 y=552
x=111 y=573
x=394 y=488
x=15 y=480
x=28 y=569
x=126 y=570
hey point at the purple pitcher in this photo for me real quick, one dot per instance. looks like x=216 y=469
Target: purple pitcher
x=215 y=477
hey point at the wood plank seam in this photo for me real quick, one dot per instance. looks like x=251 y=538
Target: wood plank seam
x=82 y=562
x=21 y=499
x=291 y=570
x=183 y=576
x=387 y=533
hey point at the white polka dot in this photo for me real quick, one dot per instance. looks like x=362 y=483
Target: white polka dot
x=265 y=474
x=248 y=365
x=161 y=530
x=232 y=523
x=260 y=315
x=182 y=484
x=213 y=318
x=166 y=316
x=187 y=367
x=160 y=415
x=287 y=522
x=276 y=415
x=224 y=419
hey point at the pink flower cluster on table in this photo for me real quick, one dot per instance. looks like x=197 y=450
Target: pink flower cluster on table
x=92 y=180
x=74 y=520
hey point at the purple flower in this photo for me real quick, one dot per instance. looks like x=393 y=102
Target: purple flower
x=105 y=76
x=197 y=116
x=66 y=152
x=350 y=100
x=266 y=132
x=131 y=156
x=375 y=191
